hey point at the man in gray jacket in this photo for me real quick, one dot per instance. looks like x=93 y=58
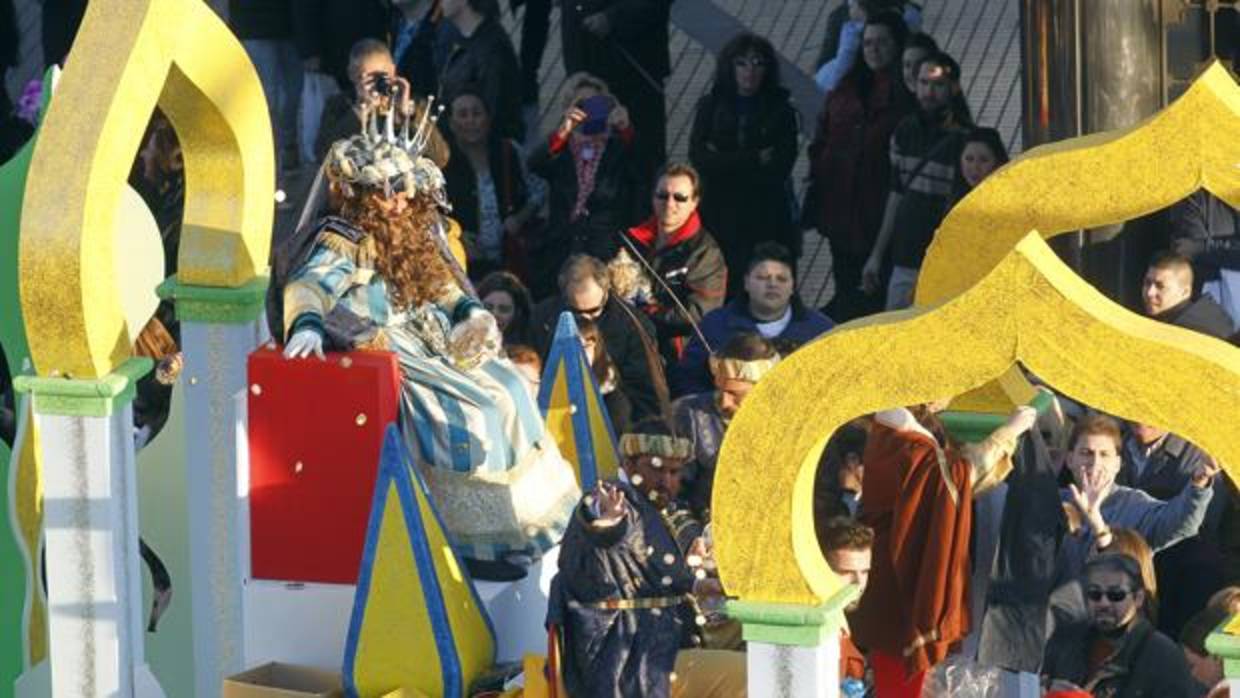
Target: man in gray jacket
x=1095 y=461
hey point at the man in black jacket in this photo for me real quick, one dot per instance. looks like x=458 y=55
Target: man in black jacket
x=1117 y=652
x=585 y=291
x=1167 y=293
x=625 y=42
x=686 y=258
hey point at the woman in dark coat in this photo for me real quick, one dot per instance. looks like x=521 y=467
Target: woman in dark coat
x=744 y=143
x=492 y=196
x=850 y=167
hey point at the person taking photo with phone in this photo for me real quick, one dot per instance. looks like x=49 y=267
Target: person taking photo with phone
x=594 y=184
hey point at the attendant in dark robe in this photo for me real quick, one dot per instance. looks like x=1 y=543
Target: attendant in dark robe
x=918 y=488
x=624 y=599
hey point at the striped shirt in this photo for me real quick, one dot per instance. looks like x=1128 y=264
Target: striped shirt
x=925 y=188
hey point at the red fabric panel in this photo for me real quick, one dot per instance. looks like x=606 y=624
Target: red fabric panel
x=890 y=678
x=312 y=465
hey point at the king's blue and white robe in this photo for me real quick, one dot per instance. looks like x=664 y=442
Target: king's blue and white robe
x=496 y=476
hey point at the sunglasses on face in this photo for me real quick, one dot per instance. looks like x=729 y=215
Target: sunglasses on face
x=590 y=313
x=1112 y=595
x=678 y=196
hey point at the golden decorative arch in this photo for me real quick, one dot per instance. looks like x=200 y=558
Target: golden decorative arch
x=130 y=55
x=1090 y=181
x=1030 y=308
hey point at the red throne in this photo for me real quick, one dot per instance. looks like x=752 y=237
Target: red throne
x=315 y=431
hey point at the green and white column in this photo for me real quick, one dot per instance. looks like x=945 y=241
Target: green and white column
x=219 y=329
x=793 y=650
x=90 y=519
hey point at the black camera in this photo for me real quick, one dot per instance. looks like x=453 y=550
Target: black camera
x=381 y=84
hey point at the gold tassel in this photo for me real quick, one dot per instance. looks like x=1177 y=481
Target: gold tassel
x=340 y=245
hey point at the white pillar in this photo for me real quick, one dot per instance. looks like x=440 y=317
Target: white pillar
x=90 y=519
x=784 y=671
x=793 y=650
x=219 y=329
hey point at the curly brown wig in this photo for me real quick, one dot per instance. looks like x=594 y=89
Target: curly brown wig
x=406 y=254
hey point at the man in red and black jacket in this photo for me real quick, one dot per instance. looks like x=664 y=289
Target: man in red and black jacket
x=684 y=255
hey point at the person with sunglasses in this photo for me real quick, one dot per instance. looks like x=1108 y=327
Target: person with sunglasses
x=683 y=254
x=1116 y=651
x=744 y=143
x=586 y=292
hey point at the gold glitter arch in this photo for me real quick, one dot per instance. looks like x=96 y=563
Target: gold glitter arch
x=1085 y=182
x=1029 y=309
x=1090 y=181
x=130 y=55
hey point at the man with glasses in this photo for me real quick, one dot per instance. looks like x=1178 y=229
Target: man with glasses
x=585 y=291
x=692 y=277
x=1116 y=652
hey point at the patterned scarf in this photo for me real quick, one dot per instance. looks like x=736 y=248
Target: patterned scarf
x=587 y=154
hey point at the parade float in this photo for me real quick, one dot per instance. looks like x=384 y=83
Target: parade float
x=288 y=512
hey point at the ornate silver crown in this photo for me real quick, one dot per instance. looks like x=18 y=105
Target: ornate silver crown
x=379 y=158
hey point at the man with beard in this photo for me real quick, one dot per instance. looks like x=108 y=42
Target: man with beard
x=925 y=153
x=703 y=418
x=1117 y=652
x=379 y=275
x=632 y=570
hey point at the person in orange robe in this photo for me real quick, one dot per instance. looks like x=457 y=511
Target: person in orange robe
x=918 y=485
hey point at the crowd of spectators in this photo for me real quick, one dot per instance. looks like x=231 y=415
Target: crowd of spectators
x=1101 y=563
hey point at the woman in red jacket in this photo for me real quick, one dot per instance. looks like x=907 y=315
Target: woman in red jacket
x=849 y=164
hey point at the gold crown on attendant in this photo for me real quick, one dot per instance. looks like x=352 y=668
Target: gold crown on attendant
x=381 y=158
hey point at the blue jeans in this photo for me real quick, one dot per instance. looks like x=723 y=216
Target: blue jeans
x=279 y=70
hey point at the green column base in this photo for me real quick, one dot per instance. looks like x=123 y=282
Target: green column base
x=792 y=624
x=216 y=305
x=73 y=397
x=1225 y=646
x=973 y=427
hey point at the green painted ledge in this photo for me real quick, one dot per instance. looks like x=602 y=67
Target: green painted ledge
x=73 y=397
x=1227 y=647
x=792 y=624
x=215 y=304
x=973 y=427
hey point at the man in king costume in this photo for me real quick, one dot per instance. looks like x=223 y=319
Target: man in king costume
x=379 y=276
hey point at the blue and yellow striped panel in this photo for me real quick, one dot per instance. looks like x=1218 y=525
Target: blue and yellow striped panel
x=574 y=410
x=417 y=624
